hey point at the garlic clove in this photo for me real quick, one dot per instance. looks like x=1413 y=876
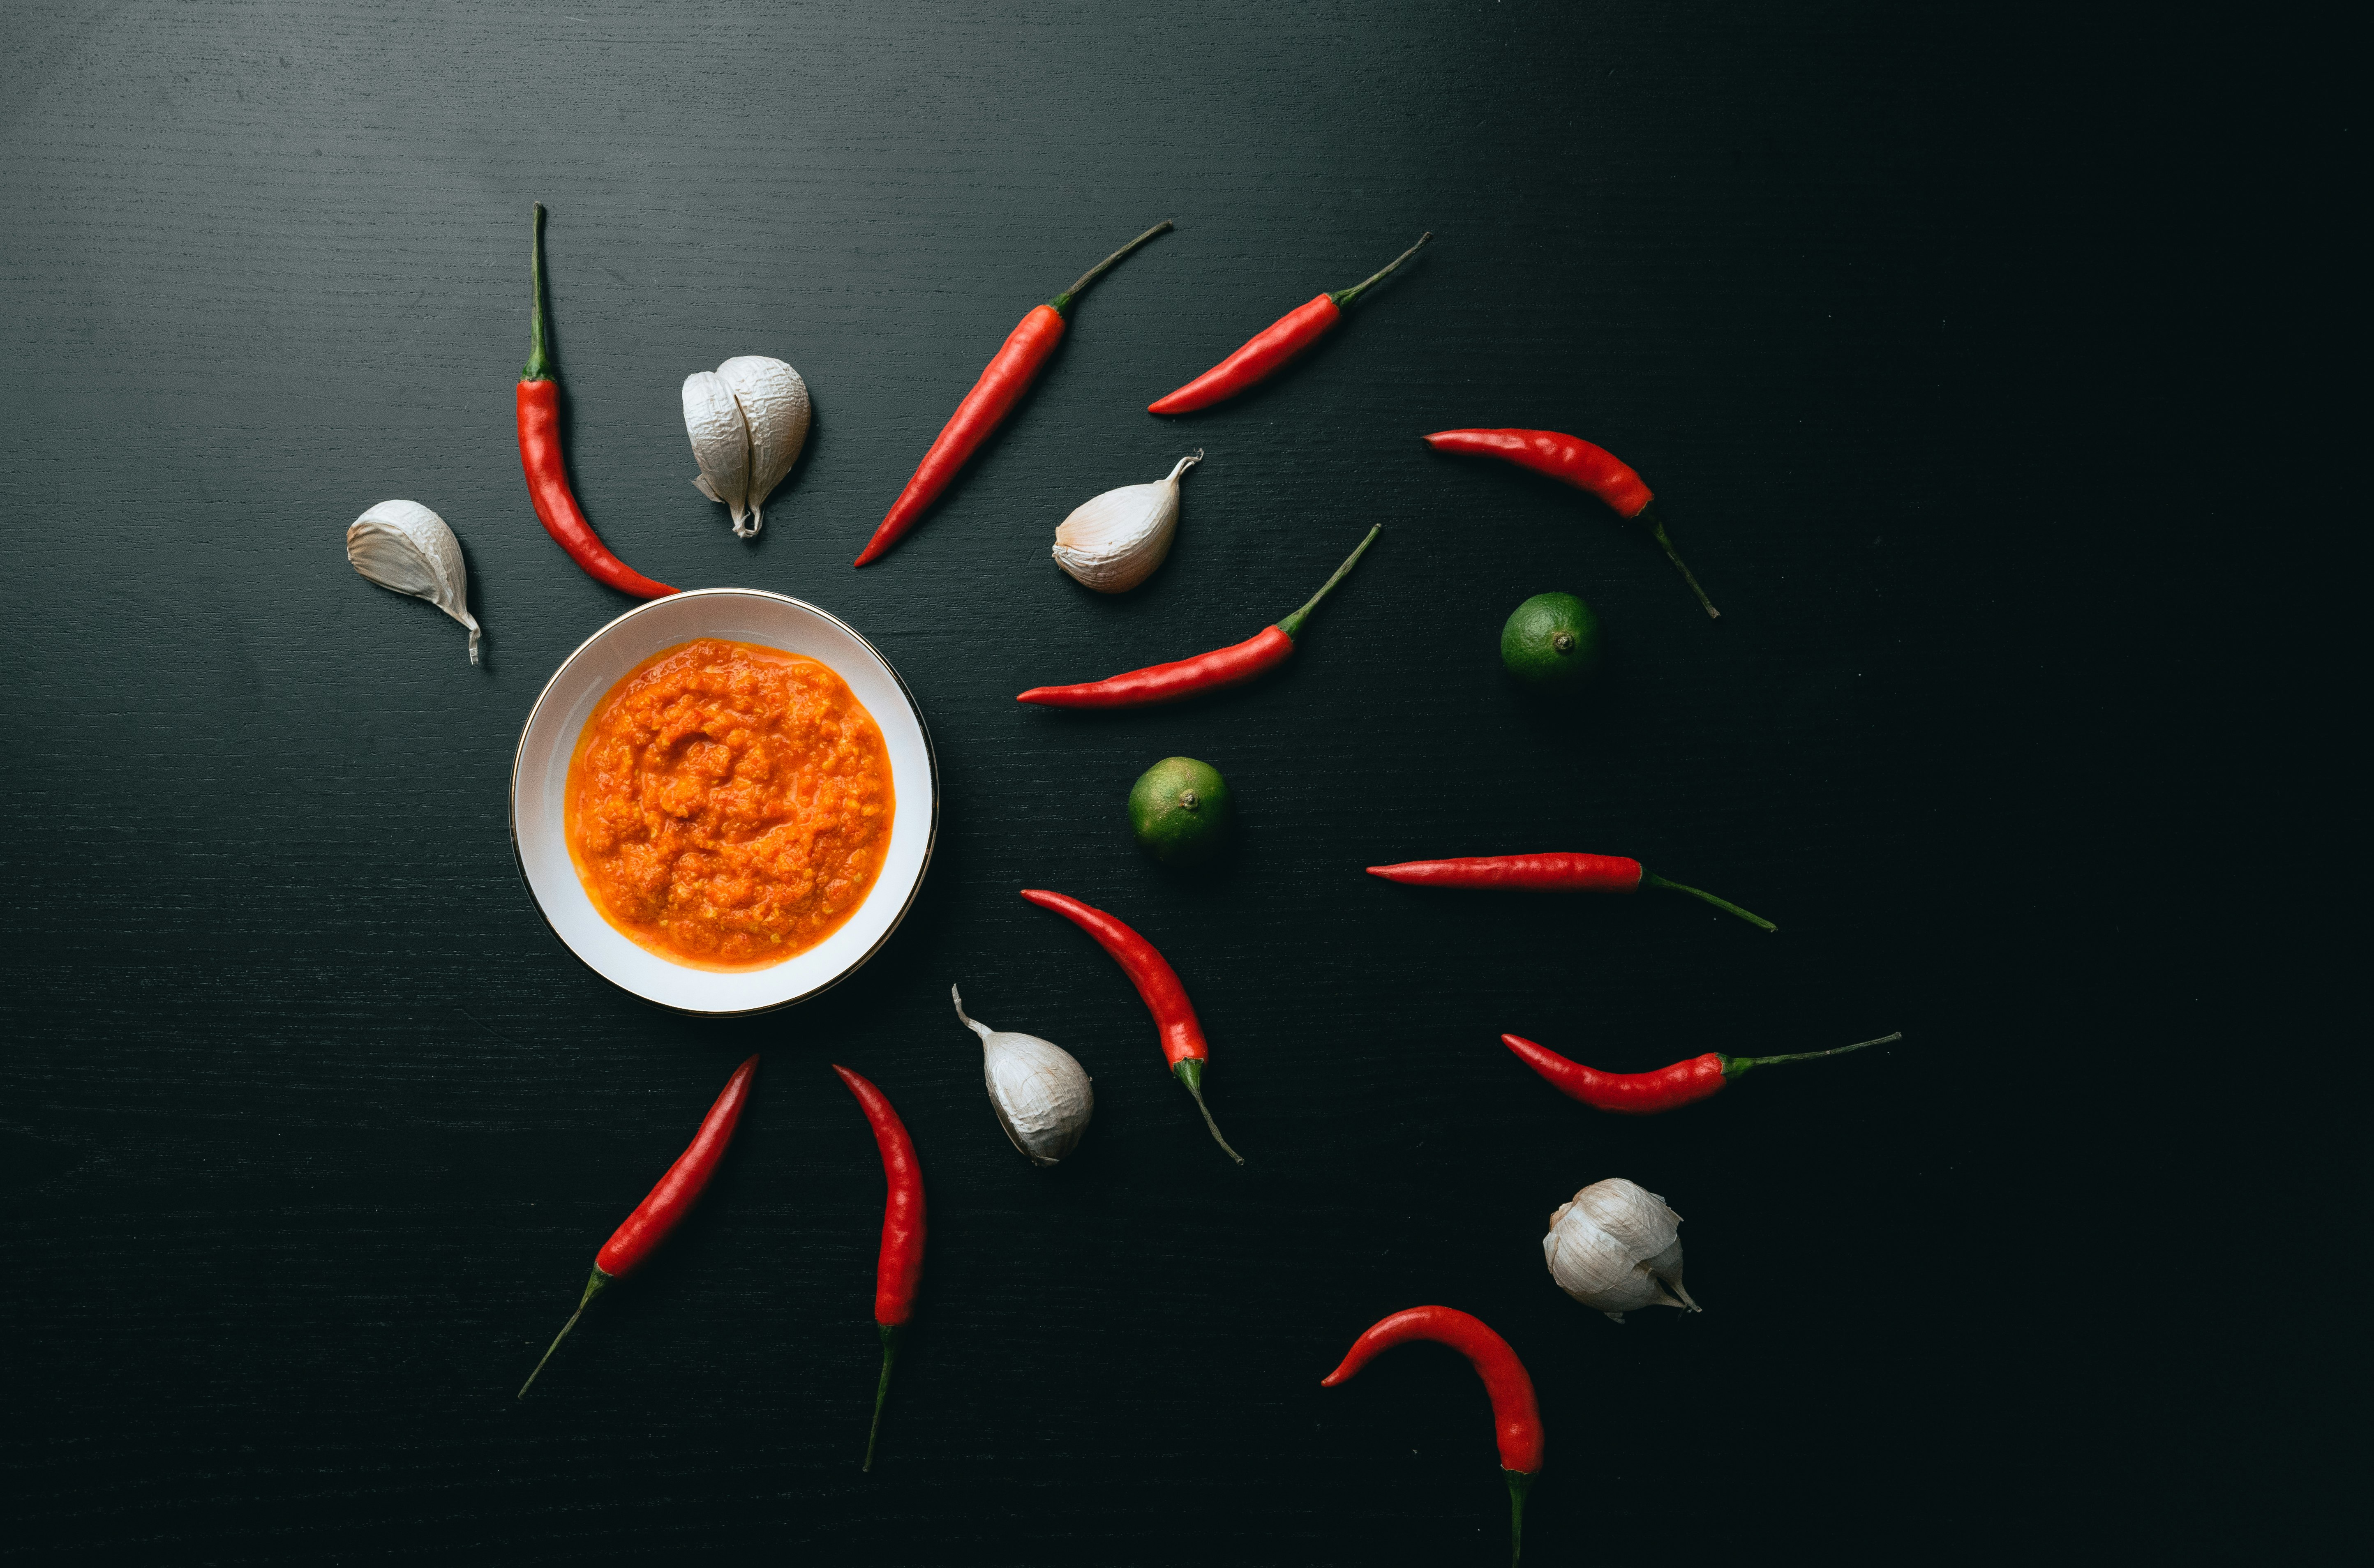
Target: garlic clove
x=405 y=546
x=1040 y=1094
x=1616 y=1246
x=1113 y=542
x=721 y=442
x=774 y=403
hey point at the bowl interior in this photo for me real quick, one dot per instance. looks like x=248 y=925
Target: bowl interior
x=541 y=773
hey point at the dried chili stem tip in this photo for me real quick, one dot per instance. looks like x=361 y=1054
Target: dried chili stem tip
x=594 y=1287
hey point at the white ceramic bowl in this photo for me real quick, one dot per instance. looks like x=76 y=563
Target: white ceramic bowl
x=540 y=774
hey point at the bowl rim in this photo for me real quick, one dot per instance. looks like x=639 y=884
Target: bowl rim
x=930 y=838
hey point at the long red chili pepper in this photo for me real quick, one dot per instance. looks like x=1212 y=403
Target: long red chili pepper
x=1668 y=1088
x=540 y=454
x=1516 y=1418
x=1267 y=351
x=668 y=1204
x=1554 y=873
x=1230 y=666
x=1183 y=1045
x=1001 y=386
x=901 y=1268
x=1581 y=465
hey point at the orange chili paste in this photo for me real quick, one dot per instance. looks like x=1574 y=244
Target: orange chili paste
x=729 y=805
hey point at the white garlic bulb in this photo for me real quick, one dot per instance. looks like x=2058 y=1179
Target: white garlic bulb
x=403 y=546
x=1616 y=1247
x=1114 y=542
x=749 y=419
x=1042 y=1096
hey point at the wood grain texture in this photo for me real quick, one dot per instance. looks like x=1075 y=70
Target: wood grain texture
x=310 y=1126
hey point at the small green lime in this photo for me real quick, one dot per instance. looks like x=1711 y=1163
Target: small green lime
x=1180 y=811
x=1551 y=642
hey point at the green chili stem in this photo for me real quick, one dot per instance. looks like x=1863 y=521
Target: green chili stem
x=1344 y=297
x=1654 y=880
x=539 y=353
x=1657 y=532
x=1292 y=624
x=1519 y=1485
x=1734 y=1066
x=1063 y=302
x=593 y=1287
x=882 y=1389
x=1190 y=1073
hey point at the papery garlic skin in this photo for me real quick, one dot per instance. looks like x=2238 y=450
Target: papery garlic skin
x=1042 y=1096
x=403 y=546
x=774 y=402
x=1614 y=1245
x=721 y=442
x=1114 y=541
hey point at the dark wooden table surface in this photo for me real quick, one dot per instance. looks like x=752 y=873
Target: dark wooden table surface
x=309 y=1128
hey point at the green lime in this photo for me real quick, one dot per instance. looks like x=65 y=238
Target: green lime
x=1551 y=642
x=1180 y=811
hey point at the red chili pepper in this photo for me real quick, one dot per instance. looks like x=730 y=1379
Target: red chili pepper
x=540 y=454
x=1230 y=666
x=993 y=397
x=1516 y=1418
x=1668 y=1088
x=1554 y=873
x=901 y=1268
x=1267 y=351
x=1581 y=465
x=668 y=1204
x=1183 y=1045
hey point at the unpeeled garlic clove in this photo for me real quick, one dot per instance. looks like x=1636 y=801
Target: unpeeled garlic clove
x=721 y=442
x=1614 y=1245
x=1114 y=541
x=403 y=546
x=774 y=403
x=1042 y=1096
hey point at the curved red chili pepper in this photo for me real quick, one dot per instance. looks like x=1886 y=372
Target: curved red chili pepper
x=1230 y=666
x=667 y=1203
x=1575 y=462
x=538 y=402
x=1668 y=1088
x=1567 y=457
x=1516 y=1418
x=900 y=1267
x=1183 y=1045
x=1268 y=350
x=1551 y=873
x=1008 y=375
